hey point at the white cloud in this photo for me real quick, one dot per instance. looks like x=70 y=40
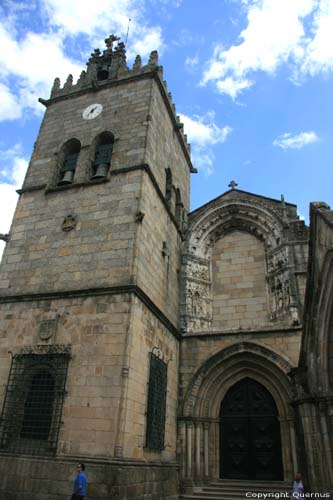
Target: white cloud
x=14 y=166
x=97 y=19
x=74 y=17
x=298 y=141
x=10 y=108
x=319 y=54
x=296 y=32
x=233 y=87
x=203 y=134
x=35 y=59
x=191 y=62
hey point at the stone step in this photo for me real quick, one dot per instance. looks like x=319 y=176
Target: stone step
x=283 y=487
x=257 y=484
x=225 y=489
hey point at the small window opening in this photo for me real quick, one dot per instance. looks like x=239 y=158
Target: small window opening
x=168 y=187
x=102 y=74
x=180 y=211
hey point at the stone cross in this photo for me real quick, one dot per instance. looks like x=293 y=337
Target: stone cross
x=232 y=184
x=109 y=41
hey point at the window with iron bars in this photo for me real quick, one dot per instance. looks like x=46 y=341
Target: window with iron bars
x=31 y=413
x=156 y=406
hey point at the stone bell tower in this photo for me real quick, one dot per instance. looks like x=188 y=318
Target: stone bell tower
x=89 y=289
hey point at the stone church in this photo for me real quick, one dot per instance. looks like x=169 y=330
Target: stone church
x=168 y=350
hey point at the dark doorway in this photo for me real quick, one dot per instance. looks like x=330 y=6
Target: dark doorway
x=250 y=444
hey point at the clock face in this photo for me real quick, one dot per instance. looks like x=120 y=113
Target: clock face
x=92 y=111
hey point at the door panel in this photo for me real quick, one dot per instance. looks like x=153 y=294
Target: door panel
x=250 y=433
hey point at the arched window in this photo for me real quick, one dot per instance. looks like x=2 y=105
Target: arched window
x=38 y=407
x=68 y=160
x=103 y=154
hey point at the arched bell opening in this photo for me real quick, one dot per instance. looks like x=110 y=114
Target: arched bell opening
x=68 y=158
x=250 y=438
x=102 y=155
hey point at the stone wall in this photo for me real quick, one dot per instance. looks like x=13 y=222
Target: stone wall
x=158 y=248
x=40 y=479
x=164 y=149
x=98 y=251
x=111 y=337
x=125 y=109
x=239 y=287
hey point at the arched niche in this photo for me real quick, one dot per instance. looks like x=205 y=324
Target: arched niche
x=210 y=226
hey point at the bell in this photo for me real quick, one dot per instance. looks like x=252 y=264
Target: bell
x=67 y=178
x=101 y=171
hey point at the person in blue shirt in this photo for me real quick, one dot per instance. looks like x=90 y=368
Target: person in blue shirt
x=80 y=483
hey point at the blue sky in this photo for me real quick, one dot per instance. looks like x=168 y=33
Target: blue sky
x=251 y=80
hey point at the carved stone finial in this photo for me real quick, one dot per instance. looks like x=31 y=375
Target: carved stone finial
x=284 y=208
x=137 y=63
x=82 y=78
x=232 y=184
x=109 y=41
x=69 y=82
x=96 y=53
x=153 y=59
x=56 y=86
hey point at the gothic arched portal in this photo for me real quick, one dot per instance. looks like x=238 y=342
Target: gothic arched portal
x=250 y=442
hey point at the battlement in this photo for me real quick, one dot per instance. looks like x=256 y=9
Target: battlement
x=110 y=68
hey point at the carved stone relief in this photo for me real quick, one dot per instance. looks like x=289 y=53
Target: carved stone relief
x=198 y=309
x=280 y=278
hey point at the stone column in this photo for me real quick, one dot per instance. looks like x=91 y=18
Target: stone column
x=286 y=450
x=83 y=166
x=182 y=436
x=189 y=427
x=198 y=449
x=305 y=413
x=327 y=458
x=293 y=445
x=206 y=449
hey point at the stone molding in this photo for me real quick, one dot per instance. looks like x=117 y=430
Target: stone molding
x=216 y=360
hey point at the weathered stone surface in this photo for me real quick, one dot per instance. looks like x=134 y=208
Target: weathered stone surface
x=115 y=269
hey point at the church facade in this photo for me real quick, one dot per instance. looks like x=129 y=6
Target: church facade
x=158 y=346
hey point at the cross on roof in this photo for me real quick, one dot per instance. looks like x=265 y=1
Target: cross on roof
x=232 y=184
x=109 y=41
